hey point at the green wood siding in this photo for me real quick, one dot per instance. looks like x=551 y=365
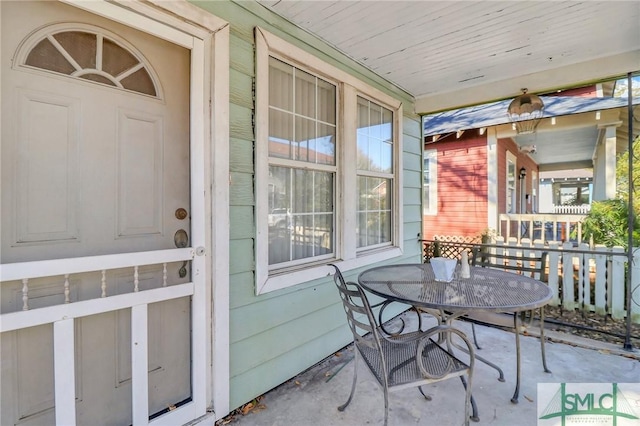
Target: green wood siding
x=277 y=335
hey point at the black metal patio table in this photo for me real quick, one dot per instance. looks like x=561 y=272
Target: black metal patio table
x=487 y=289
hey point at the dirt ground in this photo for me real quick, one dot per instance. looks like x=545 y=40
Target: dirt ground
x=596 y=327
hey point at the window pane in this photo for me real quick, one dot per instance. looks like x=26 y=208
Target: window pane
x=386 y=129
x=98 y=79
x=304 y=147
x=326 y=144
x=324 y=230
x=306 y=124
x=305 y=94
x=279 y=196
x=385 y=226
x=301 y=221
x=375 y=117
x=140 y=81
x=45 y=55
x=386 y=157
x=363 y=152
x=363 y=115
x=429 y=182
x=80 y=45
x=326 y=102
x=374 y=137
x=362 y=193
x=280 y=134
x=323 y=193
x=362 y=229
x=116 y=59
x=280 y=85
x=511 y=187
x=374 y=211
x=302 y=186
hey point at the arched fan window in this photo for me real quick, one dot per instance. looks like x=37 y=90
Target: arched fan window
x=89 y=53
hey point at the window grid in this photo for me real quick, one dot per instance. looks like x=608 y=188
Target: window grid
x=91 y=56
x=302 y=175
x=511 y=183
x=341 y=173
x=375 y=174
x=430 y=182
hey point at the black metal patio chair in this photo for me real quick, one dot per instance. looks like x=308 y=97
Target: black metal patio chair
x=400 y=361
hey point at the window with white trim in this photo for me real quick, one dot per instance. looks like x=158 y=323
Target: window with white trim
x=534 y=191
x=302 y=165
x=375 y=174
x=430 y=182
x=327 y=168
x=511 y=183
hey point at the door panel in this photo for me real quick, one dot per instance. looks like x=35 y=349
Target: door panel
x=90 y=168
x=47 y=185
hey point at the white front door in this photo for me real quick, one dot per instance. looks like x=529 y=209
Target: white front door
x=95 y=161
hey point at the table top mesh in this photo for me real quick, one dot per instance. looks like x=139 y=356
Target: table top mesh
x=486 y=289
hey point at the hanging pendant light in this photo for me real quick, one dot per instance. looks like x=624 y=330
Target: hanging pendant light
x=525 y=112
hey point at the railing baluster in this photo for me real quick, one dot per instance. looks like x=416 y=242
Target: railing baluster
x=136 y=280
x=164 y=274
x=103 y=283
x=25 y=294
x=66 y=289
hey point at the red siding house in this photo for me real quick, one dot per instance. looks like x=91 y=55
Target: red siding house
x=469 y=183
x=476 y=166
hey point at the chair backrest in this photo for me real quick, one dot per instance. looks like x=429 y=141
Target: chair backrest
x=358 y=310
x=527 y=264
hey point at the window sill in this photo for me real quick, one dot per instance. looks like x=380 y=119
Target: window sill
x=312 y=272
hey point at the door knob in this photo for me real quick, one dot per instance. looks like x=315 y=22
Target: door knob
x=181 y=239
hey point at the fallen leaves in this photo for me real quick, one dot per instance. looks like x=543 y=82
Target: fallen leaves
x=255 y=405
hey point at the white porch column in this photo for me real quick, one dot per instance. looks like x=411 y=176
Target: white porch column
x=604 y=163
x=492 y=177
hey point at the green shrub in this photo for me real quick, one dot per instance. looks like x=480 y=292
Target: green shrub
x=607 y=223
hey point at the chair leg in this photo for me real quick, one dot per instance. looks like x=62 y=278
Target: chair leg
x=475 y=339
x=542 y=346
x=469 y=400
x=386 y=405
x=427 y=397
x=355 y=379
x=516 y=393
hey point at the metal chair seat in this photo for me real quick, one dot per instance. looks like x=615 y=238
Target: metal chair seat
x=400 y=354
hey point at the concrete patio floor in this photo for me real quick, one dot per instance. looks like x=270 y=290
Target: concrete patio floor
x=311 y=398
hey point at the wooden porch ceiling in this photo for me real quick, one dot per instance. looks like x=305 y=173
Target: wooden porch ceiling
x=449 y=54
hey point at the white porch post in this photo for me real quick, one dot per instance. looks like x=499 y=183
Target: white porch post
x=604 y=159
x=492 y=177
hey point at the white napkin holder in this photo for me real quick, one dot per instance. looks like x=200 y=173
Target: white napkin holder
x=443 y=268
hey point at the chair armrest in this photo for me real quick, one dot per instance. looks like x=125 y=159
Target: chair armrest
x=426 y=340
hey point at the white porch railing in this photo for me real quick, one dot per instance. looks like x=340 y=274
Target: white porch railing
x=62 y=316
x=545 y=227
x=581 y=209
x=581 y=278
